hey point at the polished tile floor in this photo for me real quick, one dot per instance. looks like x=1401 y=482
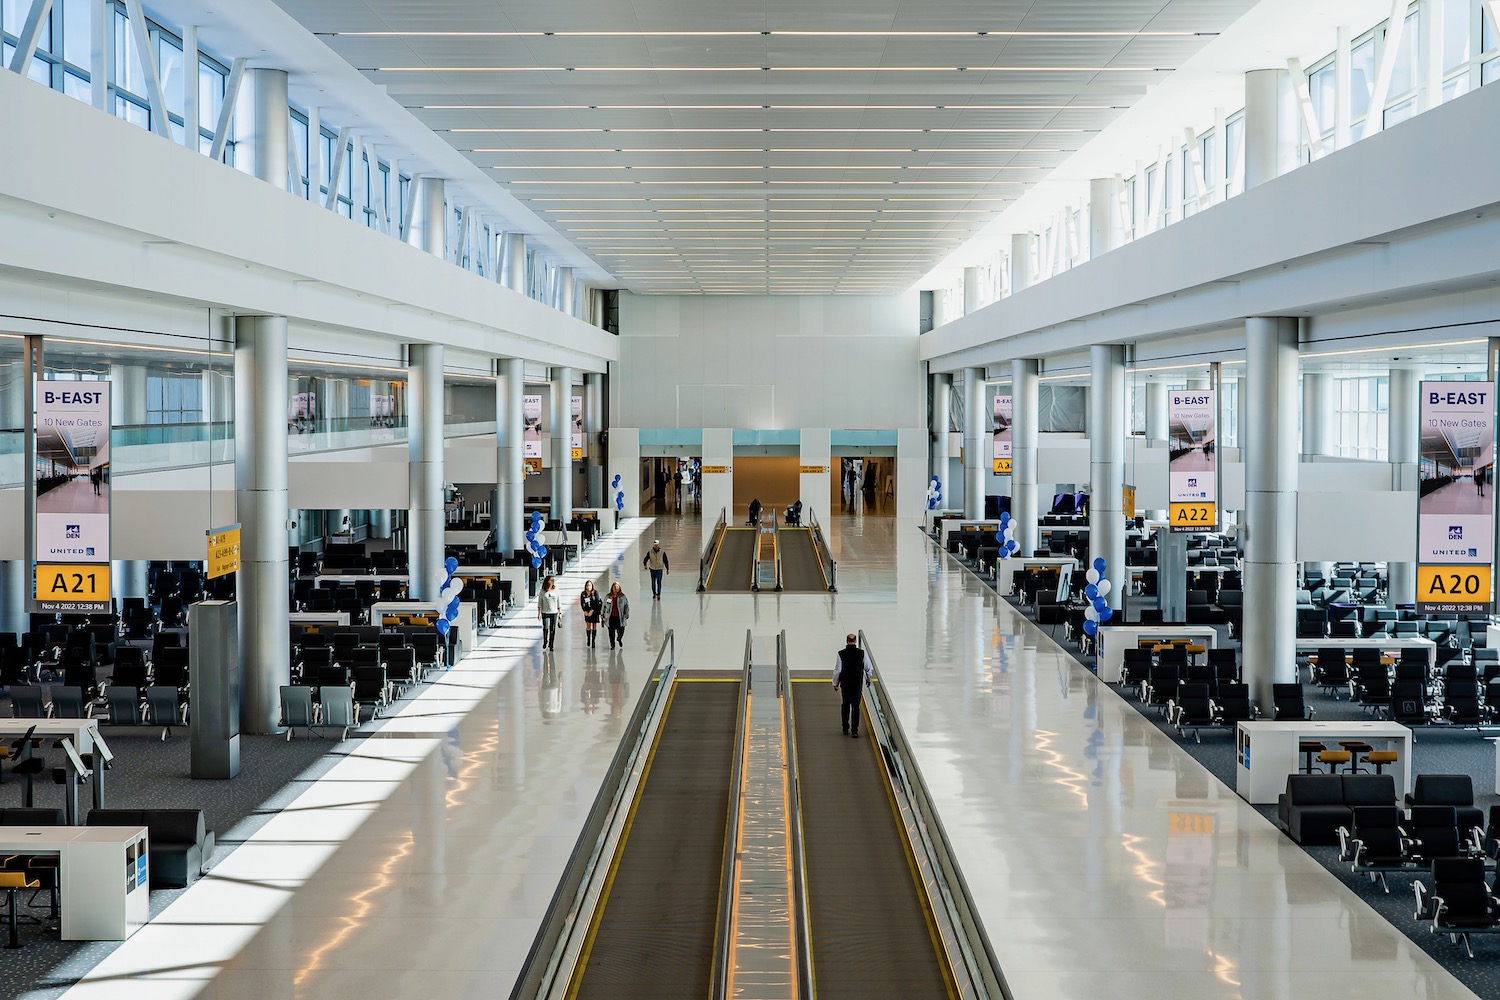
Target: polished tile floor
x=1104 y=860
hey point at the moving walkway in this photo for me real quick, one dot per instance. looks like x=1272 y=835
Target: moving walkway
x=729 y=561
x=657 y=898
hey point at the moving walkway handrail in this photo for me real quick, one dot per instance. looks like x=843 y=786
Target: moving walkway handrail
x=825 y=555
x=981 y=965
x=543 y=970
x=724 y=945
x=801 y=912
x=776 y=548
x=715 y=539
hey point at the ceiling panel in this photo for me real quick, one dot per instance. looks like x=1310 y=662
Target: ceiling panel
x=778 y=147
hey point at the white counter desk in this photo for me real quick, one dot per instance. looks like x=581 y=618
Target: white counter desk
x=1006 y=569
x=1115 y=639
x=103 y=874
x=1382 y=643
x=1265 y=752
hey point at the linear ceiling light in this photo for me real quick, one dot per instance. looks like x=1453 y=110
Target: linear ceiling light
x=767 y=107
x=760 y=69
x=680 y=130
x=761 y=149
x=764 y=33
x=759 y=166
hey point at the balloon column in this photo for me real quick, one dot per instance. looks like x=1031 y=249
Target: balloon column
x=534 y=540
x=449 y=587
x=935 y=494
x=1008 y=544
x=1098 y=612
x=619 y=493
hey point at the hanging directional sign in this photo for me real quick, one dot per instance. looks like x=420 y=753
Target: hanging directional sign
x=1192 y=460
x=1456 y=505
x=71 y=513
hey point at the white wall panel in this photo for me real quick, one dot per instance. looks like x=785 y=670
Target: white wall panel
x=625 y=462
x=1356 y=526
x=336 y=485
x=911 y=472
x=769 y=362
x=816 y=489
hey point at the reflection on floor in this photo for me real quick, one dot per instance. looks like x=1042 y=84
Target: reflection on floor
x=1105 y=861
x=1458 y=497
x=76 y=496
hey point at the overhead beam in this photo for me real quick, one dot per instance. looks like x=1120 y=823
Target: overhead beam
x=226 y=110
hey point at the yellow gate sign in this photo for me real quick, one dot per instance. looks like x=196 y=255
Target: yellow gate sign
x=814 y=470
x=714 y=470
x=533 y=466
x=223 y=551
x=1193 y=517
x=1458 y=587
x=72 y=588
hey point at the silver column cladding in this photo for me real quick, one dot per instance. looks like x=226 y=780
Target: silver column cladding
x=562 y=452
x=1107 y=465
x=1025 y=384
x=975 y=452
x=1270 y=622
x=1404 y=449
x=260 y=500
x=941 y=388
x=513 y=273
x=510 y=387
x=425 y=455
x=1317 y=414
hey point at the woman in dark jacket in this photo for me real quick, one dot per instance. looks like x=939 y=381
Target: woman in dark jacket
x=592 y=605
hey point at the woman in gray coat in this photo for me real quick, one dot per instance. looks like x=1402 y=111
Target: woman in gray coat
x=616 y=613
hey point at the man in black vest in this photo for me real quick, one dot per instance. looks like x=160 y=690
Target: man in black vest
x=851 y=670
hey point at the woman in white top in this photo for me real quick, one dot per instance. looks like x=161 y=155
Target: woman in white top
x=548 y=607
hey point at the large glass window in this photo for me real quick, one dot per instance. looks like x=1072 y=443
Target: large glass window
x=1404 y=74
x=174 y=399
x=1362 y=418
x=78 y=32
x=1458 y=17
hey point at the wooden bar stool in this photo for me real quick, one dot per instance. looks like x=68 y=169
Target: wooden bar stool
x=1333 y=758
x=1380 y=758
x=12 y=883
x=1307 y=748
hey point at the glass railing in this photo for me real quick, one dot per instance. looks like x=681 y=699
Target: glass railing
x=161 y=447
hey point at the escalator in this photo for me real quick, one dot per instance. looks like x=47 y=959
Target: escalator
x=733 y=569
x=873 y=932
x=654 y=932
x=801 y=566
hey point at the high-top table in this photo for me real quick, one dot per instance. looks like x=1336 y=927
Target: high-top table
x=104 y=876
x=1266 y=752
x=84 y=734
x=1114 y=639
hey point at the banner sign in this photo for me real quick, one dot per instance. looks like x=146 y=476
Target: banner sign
x=531 y=437
x=1456 y=505
x=1004 y=408
x=1192 y=462
x=576 y=403
x=72 y=496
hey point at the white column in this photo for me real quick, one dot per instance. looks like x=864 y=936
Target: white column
x=911 y=466
x=424 y=394
x=565 y=290
x=269 y=134
x=1104 y=216
x=562 y=450
x=1272 y=125
x=941 y=389
x=429 y=220
x=814 y=488
x=625 y=462
x=509 y=508
x=1025 y=375
x=1317 y=414
x=718 y=487
x=260 y=484
x=513 y=262
x=1021 y=275
x=971 y=290
x=1270 y=622
x=1156 y=411
x=1107 y=427
x=1404 y=453
x=975 y=464
x=127 y=397
x=593 y=424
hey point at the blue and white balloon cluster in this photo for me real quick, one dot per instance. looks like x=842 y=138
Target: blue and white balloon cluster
x=619 y=493
x=1008 y=543
x=1098 y=612
x=534 y=540
x=935 y=494
x=449 y=587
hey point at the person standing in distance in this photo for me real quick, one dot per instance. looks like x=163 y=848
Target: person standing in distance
x=851 y=670
x=656 y=562
x=616 y=613
x=548 y=607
